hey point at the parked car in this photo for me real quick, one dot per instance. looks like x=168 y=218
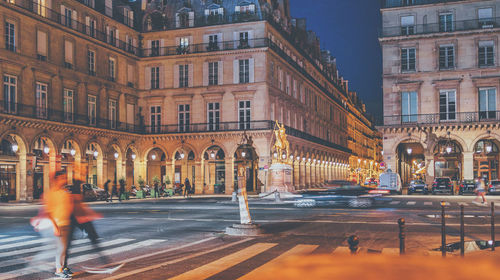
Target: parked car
x=467 y=186
x=348 y=195
x=92 y=193
x=494 y=187
x=417 y=186
x=442 y=185
x=391 y=182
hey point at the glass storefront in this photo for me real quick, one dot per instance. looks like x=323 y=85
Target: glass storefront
x=8 y=181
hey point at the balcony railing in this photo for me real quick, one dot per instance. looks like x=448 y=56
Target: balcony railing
x=404 y=3
x=208 y=127
x=203 y=48
x=464 y=25
x=54 y=16
x=442 y=118
x=35 y=112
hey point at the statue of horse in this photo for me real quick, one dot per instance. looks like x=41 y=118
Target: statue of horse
x=281 y=144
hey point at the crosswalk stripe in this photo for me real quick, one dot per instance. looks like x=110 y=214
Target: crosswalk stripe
x=82 y=258
x=5 y=240
x=24 y=243
x=341 y=250
x=300 y=249
x=427 y=203
x=144 y=269
x=210 y=269
x=395 y=202
x=1 y=236
x=37 y=249
x=411 y=203
x=463 y=203
x=50 y=254
x=390 y=251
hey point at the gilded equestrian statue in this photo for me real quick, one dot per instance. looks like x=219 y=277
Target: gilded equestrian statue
x=281 y=145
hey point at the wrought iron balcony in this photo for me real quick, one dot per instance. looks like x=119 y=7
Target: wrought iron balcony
x=464 y=25
x=404 y=3
x=443 y=118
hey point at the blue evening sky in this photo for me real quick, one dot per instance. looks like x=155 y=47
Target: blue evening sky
x=349 y=29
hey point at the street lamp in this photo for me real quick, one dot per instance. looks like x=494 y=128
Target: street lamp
x=275 y=155
x=96 y=153
x=448 y=149
x=133 y=156
x=153 y=156
x=46 y=149
x=72 y=152
x=283 y=156
x=15 y=147
x=243 y=154
x=212 y=154
x=116 y=155
x=291 y=157
x=489 y=148
x=303 y=159
x=182 y=155
x=409 y=151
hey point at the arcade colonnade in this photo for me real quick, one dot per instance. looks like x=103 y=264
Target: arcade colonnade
x=28 y=158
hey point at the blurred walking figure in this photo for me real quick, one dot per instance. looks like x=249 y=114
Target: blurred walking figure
x=122 y=188
x=106 y=189
x=114 y=192
x=187 y=188
x=157 y=190
x=480 y=190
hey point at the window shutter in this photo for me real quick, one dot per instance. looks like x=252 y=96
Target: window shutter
x=177 y=20
x=148 y=48
x=117 y=38
x=205 y=74
x=176 y=76
x=162 y=47
x=107 y=34
x=221 y=72
x=191 y=19
x=63 y=17
x=250 y=38
x=236 y=73
x=162 y=76
x=207 y=12
x=251 y=67
x=68 y=52
x=252 y=8
x=190 y=75
x=42 y=43
x=130 y=73
x=87 y=24
x=237 y=9
x=147 y=78
x=236 y=39
x=131 y=17
x=75 y=19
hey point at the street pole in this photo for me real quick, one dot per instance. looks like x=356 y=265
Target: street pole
x=401 y=223
x=443 y=230
x=493 y=226
x=462 y=231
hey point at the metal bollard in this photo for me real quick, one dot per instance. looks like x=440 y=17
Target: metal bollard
x=277 y=197
x=492 y=226
x=234 y=198
x=401 y=223
x=462 y=231
x=443 y=230
x=353 y=242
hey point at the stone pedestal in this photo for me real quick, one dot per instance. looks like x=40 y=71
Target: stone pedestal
x=244 y=230
x=281 y=178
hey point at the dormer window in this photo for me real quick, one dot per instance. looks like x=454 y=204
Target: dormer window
x=245 y=7
x=184 y=18
x=214 y=14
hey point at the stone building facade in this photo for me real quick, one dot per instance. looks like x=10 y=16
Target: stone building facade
x=441 y=78
x=172 y=90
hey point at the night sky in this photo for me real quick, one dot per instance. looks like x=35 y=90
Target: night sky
x=349 y=29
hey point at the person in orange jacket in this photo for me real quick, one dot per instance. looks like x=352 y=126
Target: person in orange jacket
x=59 y=207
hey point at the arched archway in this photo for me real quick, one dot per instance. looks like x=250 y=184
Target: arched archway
x=46 y=163
x=486 y=159
x=132 y=166
x=448 y=159
x=410 y=161
x=13 y=168
x=246 y=156
x=213 y=162
x=71 y=156
x=156 y=167
x=114 y=164
x=95 y=169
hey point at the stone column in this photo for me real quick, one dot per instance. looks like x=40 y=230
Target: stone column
x=468 y=166
x=302 y=174
x=24 y=179
x=308 y=175
x=429 y=163
x=199 y=178
x=229 y=177
x=296 y=174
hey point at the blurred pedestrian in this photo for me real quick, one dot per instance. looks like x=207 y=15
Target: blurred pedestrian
x=106 y=189
x=157 y=189
x=187 y=188
x=122 y=189
x=480 y=191
x=114 y=192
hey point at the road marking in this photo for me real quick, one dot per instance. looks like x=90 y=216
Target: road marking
x=411 y=203
x=463 y=203
x=210 y=269
x=300 y=249
x=144 y=269
x=25 y=243
x=341 y=250
x=50 y=254
x=427 y=203
x=39 y=248
x=390 y=251
x=5 y=240
x=395 y=202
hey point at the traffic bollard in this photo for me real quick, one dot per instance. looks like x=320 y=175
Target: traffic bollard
x=401 y=223
x=443 y=230
x=492 y=226
x=234 y=197
x=462 y=231
x=353 y=242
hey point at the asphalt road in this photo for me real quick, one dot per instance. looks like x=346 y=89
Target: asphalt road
x=160 y=239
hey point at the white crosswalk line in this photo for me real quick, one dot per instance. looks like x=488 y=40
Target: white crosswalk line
x=1 y=236
x=463 y=203
x=390 y=251
x=50 y=254
x=24 y=243
x=341 y=250
x=10 y=239
x=411 y=203
x=395 y=202
x=86 y=257
x=300 y=249
x=428 y=203
x=210 y=269
x=39 y=248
